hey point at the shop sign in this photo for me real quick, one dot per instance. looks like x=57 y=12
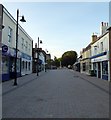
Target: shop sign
x=4 y=48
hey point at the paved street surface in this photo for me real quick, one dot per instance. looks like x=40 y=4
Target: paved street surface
x=58 y=93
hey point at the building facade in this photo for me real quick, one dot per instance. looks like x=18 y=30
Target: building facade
x=96 y=56
x=76 y=65
x=109 y=29
x=85 y=61
x=8 y=43
x=41 y=61
x=99 y=56
x=48 y=61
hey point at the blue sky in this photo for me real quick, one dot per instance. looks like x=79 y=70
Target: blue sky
x=62 y=26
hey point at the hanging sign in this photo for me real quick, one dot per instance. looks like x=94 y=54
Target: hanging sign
x=4 y=48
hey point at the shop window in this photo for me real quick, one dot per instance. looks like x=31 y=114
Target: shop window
x=26 y=65
x=18 y=65
x=95 y=68
x=89 y=66
x=29 y=65
x=22 y=64
x=12 y=64
x=5 y=64
x=105 y=67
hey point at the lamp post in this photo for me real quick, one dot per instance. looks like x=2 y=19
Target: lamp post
x=46 y=60
x=39 y=41
x=16 y=49
x=1 y=27
x=109 y=53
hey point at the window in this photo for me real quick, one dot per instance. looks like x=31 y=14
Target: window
x=95 y=50
x=18 y=65
x=105 y=67
x=5 y=63
x=101 y=46
x=9 y=34
x=26 y=45
x=26 y=65
x=22 y=43
x=22 y=64
x=29 y=47
x=84 y=66
x=95 y=68
x=29 y=65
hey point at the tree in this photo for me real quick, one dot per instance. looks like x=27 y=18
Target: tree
x=69 y=58
x=49 y=63
x=56 y=61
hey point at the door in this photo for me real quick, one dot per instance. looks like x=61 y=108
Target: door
x=99 y=70
x=12 y=67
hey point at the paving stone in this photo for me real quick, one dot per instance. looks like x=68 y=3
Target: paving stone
x=59 y=93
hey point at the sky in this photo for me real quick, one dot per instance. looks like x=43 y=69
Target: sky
x=62 y=26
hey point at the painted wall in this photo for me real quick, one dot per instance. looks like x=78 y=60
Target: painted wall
x=100 y=55
x=97 y=45
x=86 y=53
x=24 y=49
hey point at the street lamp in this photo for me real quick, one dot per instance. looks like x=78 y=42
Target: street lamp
x=2 y=27
x=39 y=41
x=15 y=70
x=46 y=59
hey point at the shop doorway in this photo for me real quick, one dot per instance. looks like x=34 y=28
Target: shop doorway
x=12 y=67
x=99 y=70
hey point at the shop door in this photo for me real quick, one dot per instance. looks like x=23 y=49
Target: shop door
x=99 y=70
x=12 y=67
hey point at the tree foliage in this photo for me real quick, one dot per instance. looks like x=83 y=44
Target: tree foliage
x=56 y=61
x=69 y=58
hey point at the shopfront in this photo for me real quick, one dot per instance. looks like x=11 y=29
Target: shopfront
x=100 y=65
x=105 y=70
x=8 y=63
x=26 y=64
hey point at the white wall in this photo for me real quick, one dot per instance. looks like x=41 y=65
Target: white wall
x=9 y=21
x=41 y=57
x=28 y=51
x=105 y=40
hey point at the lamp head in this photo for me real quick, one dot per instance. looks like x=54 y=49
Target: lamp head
x=3 y=26
x=22 y=20
x=41 y=41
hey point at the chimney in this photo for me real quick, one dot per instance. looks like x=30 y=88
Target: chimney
x=103 y=27
x=94 y=38
x=107 y=24
x=36 y=45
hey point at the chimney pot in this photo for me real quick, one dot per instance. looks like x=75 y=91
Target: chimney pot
x=35 y=45
x=107 y=23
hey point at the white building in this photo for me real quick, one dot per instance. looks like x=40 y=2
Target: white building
x=39 y=58
x=42 y=57
x=100 y=55
x=8 y=40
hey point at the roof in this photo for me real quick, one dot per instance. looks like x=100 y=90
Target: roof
x=109 y=28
